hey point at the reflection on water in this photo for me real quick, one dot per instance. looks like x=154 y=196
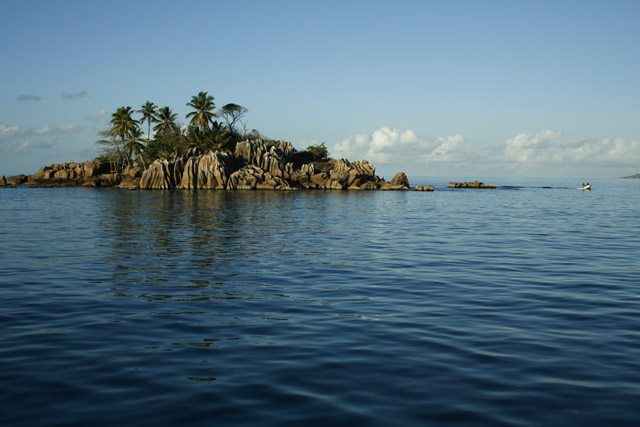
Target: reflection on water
x=325 y=308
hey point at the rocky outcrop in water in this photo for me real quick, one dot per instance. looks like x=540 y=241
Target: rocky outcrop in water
x=210 y=170
x=90 y=173
x=67 y=171
x=254 y=165
x=474 y=184
x=260 y=165
x=16 y=180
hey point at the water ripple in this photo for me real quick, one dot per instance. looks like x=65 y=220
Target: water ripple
x=320 y=308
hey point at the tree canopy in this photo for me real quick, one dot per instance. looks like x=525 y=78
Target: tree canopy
x=203 y=114
x=124 y=143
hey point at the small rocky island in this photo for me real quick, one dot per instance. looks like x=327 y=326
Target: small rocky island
x=474 y=184
x=254 y=165
x=208 y=154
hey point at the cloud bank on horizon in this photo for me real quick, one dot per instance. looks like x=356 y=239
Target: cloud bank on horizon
x=540 y=154
x=547 y=153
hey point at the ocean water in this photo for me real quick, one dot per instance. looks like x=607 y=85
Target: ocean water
x=514 y=306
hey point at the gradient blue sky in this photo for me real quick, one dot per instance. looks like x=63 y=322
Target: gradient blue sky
x=434 y=88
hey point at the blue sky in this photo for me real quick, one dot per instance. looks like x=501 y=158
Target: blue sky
x=459 y=89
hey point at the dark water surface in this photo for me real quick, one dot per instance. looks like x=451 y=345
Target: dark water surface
x=515 y=306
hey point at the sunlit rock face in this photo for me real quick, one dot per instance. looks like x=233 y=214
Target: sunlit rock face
x=210 y=170
x=157 y=176
x=254 y=165
x=474 y=184
x=260 y=165
x=69 y=171
x=400 y=179
x=90 y=173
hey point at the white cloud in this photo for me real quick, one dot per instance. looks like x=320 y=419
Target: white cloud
x=10 y=132
x=552 y=147
x=387 y=145
x=545 y=153
x=46 y=130
x=98 y=116
x=26 y=145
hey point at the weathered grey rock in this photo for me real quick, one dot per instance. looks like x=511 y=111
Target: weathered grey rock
x=333 y=184
x=301 y=179
x=210 y=170
x=474 y=184
x=370 y=185
x=246 y=178
x=253 y=165
x=108 y=179
x=340 y=177
x=167 y=173
x=318 y=179
x=79 y=173
x=157 y=176
x=270 y=157
x=360 y=167
x=132 y=171
x=359 y=174
x=391 y=186
x=130 y=183
x=17 y=179
x=271 y=163
x=400 y=179
x=308 y=168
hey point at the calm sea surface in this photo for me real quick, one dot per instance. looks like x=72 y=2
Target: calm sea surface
x=515 y=306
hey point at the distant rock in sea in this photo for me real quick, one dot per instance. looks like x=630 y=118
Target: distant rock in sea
x=636 y=176
x=474 y=184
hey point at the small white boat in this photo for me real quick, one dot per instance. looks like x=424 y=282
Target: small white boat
x=586 y=187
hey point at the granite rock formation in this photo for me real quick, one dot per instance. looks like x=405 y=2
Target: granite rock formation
x=254 y=165
x=89 y=173
x=474 y=184
x=260 y=165
x=16 y=180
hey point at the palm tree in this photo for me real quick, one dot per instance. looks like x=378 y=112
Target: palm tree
x=221 y=137
x=122 y=124
x=203 y=114
x=166 y=120
x=148 y=111
x=134 y=146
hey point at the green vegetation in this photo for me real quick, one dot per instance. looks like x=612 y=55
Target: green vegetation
x=123 y=143
x=317 y=153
